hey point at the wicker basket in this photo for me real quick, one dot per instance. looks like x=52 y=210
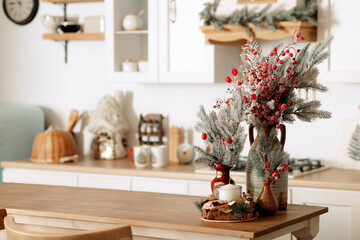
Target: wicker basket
x=54 y=146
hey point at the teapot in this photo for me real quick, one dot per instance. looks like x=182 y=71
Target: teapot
x=51 y=23
x=132 y=22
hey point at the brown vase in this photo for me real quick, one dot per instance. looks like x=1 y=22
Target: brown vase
x=222 y=176
x=254 y=183
x=267 y=201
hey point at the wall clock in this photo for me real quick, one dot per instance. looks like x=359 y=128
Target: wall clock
x=21 y=11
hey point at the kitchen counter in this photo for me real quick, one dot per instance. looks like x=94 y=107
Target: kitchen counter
x=332 y=178
x=150 y=214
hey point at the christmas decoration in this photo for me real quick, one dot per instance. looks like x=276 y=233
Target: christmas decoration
x=354 y=145
x=262 y=19
x=239 y=210
x=223 y=134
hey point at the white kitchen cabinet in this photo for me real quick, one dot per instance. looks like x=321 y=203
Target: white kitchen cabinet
x=343 y=219
x=170 y=40
x=105 y=181
x=137 y=45
x=183 y=55
x=56 y=178
x=159 y=185
x=339 y=19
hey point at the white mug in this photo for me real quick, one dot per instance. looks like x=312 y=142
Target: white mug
x=141 y=156
x=159 y=156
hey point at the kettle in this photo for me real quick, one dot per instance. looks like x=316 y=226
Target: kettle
x=132 y=22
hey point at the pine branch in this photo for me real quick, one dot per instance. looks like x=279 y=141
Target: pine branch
x=354 y=145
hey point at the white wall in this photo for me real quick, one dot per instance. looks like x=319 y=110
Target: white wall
x=32 y=71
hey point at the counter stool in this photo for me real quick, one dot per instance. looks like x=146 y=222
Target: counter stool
x=15 y=231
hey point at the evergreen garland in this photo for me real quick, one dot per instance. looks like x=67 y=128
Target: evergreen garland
x=354 y=145
x=223 y=133
x=240 y=208
x=199 y=205
x=262 y=19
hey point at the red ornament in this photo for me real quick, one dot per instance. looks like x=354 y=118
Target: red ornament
x=253 y=96
x=204 y=136
x=278 y=126
x=228 y=79
x=229 y=141
x=234 y=71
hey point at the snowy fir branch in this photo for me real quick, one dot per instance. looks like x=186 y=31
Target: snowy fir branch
x=224 y=137
x=354 y=145
x=262 y=19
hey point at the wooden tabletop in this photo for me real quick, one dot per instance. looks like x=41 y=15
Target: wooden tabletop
x=153 y=210
x=333 y=178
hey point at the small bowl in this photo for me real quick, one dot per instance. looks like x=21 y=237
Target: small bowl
x=67 y=27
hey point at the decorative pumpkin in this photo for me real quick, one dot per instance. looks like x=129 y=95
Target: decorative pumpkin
x=54 y=146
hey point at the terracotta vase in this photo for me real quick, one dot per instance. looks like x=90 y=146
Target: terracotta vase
x=222 y=176
x=254 y=184
x=267 y=201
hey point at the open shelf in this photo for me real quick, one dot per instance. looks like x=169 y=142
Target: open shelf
x=132 y=32
x=72 y=1
x=236 y=35
x=74 y=36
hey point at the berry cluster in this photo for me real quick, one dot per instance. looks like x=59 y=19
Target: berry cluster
x=272 y=175
x=268 y=81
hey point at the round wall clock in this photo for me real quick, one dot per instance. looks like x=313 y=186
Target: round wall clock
x=21 y=11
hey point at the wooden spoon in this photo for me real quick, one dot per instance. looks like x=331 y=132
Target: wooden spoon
x=73 y=119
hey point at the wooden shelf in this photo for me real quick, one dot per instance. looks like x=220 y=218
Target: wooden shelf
x=132 y=32
x=74 y=36
x=236 y=35
x=72 y=1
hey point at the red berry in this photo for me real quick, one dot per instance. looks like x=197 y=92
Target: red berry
x=253 y=96
x=272 y=182
x=277 y=59
x=278 y=126
x=229 y=141
x=290 y=102
x=272 y=170
x=291 y=55
x=287 y=51
x=271 y=54
x=275 y=49
x=288 y=168
x=282 y=54
x=255 y=52
x=297 y=50
x=285 y=165
x=228 y=79
x=294 y=62
x=234 y=71
x=268 y=179
x=298 y=34
x=281 y=61
x=204 y=136
x=302 y=38
x=239 y=83
x=274 y=67
x=267 y=164
x=283 y=106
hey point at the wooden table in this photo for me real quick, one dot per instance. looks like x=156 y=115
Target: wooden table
x=156 y=215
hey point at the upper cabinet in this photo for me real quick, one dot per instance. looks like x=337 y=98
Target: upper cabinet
x=136 y=44
x=338 y=19
x=170 y=40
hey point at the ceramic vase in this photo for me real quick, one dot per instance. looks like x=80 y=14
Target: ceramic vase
x=222 y=177
x=267 y=201
x=254 y=184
